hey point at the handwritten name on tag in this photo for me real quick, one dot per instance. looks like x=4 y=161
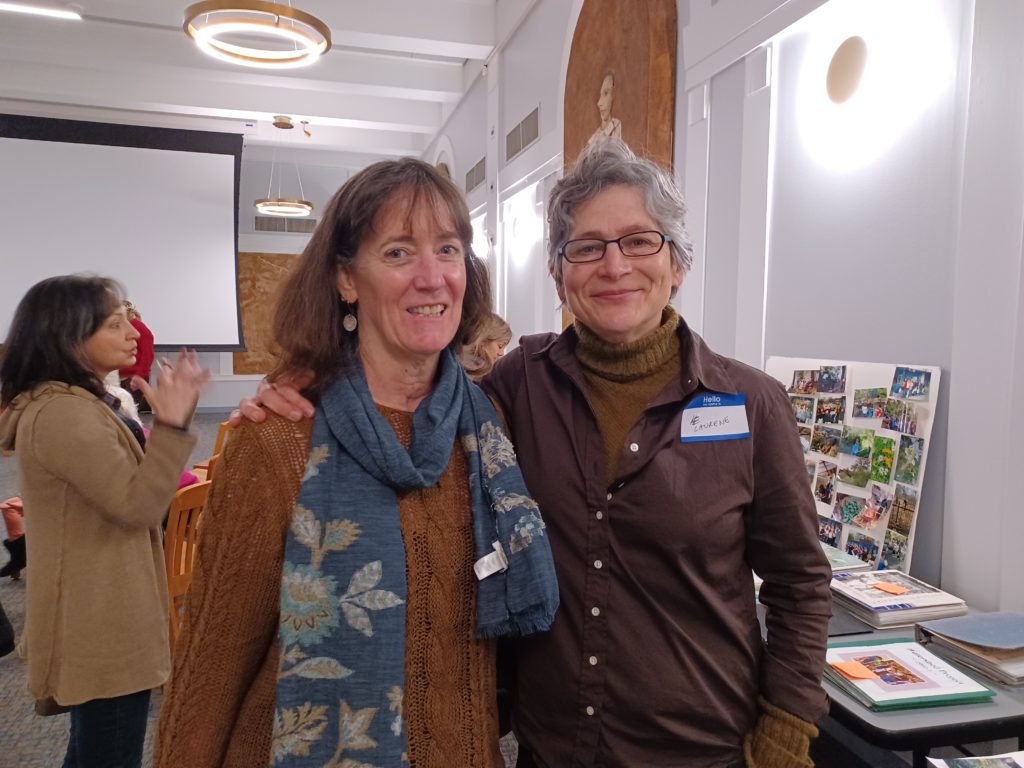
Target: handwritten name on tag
x=714 y=417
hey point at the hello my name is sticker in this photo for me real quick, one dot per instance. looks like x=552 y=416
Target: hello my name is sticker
x=714 y=417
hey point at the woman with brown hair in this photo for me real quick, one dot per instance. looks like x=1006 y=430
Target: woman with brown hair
x=336 y=615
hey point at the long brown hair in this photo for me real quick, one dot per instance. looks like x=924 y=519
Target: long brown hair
x=307 y=322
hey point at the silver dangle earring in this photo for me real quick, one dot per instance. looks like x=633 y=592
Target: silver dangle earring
x=350 y=322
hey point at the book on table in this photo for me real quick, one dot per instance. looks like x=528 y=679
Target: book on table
x=1005 y=760
x=890 y=674
x=990 y=643
x=892 y=598
x=840 y=561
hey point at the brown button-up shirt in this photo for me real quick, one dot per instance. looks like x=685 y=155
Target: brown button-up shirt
x=656 y=657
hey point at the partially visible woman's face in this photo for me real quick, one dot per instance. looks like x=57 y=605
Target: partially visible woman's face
x=409 y=280
x=493 y=349
x=113 y=346
x=618 y=298
x=604 y=102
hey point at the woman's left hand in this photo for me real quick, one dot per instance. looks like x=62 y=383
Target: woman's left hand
x=179 y=385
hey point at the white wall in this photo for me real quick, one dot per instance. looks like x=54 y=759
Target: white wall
x=984 y=524
x=861 y=260
x=915 y=255
x=466 y=129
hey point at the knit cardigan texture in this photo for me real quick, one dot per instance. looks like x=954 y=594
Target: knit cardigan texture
x=220 y=708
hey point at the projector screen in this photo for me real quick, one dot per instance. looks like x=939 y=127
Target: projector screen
x=156 y=209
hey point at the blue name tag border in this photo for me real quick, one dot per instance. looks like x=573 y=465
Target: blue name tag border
x=713 y=438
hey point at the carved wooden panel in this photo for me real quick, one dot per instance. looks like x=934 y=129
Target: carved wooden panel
x=635 y=40
x=260 y=276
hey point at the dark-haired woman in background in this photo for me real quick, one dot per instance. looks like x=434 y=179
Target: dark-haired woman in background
x=96 y=601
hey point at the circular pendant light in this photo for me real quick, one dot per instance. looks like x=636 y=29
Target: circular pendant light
x=231 y=30
x=283 y=206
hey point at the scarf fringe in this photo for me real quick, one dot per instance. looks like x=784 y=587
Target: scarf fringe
x=522 y=624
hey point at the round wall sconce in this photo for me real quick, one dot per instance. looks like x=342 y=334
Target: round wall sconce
x=846 y=69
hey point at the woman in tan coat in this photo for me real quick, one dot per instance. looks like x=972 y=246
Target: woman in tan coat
x=96 y=608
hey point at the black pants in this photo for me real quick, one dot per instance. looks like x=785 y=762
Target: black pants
x=6 y=633
x=108 y=733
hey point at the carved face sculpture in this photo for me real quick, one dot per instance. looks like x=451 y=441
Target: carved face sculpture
x=604 y=103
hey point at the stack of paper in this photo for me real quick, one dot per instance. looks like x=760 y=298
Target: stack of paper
x=892 y=599
x=1006 y=760
x=991 y=643
x=843 y=561
x=899 y=674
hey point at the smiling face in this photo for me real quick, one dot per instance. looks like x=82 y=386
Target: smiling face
x=113 y=346
x=409 y=279
x=618 y=298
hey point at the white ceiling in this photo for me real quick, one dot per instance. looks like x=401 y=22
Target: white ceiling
x=395 y=72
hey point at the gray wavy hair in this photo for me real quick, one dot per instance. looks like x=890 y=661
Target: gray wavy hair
x=607 y=163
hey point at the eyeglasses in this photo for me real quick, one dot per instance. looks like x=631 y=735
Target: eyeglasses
x=632 y=245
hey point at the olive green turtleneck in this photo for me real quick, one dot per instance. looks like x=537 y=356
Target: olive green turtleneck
x=622 y=379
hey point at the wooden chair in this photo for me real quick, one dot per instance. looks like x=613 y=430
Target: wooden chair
x=211 y=465
x=180 y=540
x=223 y=431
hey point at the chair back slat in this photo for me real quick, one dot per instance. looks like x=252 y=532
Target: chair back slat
x=180 y=539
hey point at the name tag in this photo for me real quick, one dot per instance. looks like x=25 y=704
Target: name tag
x=714 y=417
x=491 y=564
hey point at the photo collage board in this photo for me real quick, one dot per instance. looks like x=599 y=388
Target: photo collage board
x=865 y=430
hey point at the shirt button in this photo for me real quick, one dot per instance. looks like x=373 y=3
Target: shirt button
x=609 y=497
x=599 y=515
x=593 y=661
x=595 y=611
x=590 y=711
x=634 y=447
x=598 y=563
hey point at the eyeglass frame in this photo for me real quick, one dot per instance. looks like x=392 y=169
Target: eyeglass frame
x=618 y=241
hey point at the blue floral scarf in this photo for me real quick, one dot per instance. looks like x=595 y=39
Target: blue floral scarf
x=342 y=635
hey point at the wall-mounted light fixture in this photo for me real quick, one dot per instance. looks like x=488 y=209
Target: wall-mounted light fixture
x=868 y=70
x=846 y=69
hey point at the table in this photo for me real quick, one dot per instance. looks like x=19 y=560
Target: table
x=919 y=730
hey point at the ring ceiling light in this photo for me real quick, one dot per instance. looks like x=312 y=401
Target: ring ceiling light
x=256 y=33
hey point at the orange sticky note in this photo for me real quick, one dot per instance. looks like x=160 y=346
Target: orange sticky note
x=853 y=670
x=888 y=586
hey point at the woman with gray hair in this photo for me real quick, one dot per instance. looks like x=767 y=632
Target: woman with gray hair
x=666 y=474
